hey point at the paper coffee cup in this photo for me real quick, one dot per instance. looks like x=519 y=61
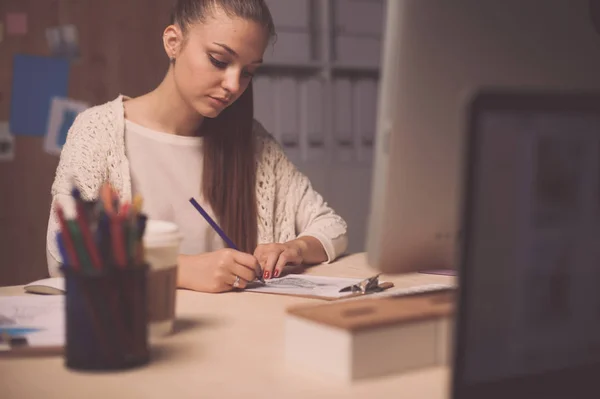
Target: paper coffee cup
x=161 y=246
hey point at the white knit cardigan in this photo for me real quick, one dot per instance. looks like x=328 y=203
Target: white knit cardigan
x=288 y=206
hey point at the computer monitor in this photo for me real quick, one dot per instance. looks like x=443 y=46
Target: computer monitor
x=437 y=53
x=528 y=314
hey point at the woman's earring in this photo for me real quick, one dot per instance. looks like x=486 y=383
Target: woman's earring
x=172 y=60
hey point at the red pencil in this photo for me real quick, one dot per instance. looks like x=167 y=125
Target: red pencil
x=87 y=235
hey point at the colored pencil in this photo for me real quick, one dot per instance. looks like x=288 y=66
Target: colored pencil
x=214 y=225
x=85 y=231
x=67 y=240
x=221 y=233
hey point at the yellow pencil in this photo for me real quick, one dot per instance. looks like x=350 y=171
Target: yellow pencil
x=137 y=203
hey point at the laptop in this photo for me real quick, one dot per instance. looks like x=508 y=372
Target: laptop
x=528 y=319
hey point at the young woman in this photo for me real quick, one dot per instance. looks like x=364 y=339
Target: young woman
x=194 y=136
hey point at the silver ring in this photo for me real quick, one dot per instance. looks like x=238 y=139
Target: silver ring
x=236 y=283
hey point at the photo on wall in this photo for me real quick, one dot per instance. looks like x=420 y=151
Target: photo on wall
x=63 y=41
x=63 y=112
x=7 y=143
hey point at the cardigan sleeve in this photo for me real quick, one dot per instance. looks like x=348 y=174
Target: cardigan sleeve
x=315 y=218
x=312 y=215
x=83 y=161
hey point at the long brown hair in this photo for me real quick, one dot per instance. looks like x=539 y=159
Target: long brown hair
x=229 y=174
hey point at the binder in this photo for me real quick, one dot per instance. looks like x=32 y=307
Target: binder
x=344 y=142
x=364 y=96
x=287 y=116
x=264 y=100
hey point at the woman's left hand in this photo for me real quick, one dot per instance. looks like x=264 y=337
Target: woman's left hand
x=273 y=257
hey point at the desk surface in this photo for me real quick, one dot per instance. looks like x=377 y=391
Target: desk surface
x=225 y=345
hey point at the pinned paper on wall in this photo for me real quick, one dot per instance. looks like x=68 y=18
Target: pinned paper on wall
x=63 y=41
x=63 y=112
x=36 y=80
x=7 y=143
x=16 y=23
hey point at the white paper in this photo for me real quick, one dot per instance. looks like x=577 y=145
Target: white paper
x=36 y=311
x=7 y=143
x=300 y=284
x=62 y=111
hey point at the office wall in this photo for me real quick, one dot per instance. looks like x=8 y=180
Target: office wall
x=121 y=52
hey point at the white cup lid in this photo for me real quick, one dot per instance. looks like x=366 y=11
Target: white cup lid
x=160 y=233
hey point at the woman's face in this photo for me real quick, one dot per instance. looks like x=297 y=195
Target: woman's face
x=217 y=60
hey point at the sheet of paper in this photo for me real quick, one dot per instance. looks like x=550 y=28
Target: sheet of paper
x=43 y=312
x=36 y=80
x=7 y=143
x=63 y=112
x=441 y=272
x=16 y=23
x=300 y=284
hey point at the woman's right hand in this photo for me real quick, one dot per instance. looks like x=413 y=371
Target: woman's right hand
x=216 y=271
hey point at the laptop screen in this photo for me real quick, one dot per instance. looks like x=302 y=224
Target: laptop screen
x=529 y=308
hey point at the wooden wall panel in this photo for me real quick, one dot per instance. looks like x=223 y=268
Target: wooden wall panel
x=122 y=53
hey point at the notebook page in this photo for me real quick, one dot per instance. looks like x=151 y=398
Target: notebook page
x=45 y=313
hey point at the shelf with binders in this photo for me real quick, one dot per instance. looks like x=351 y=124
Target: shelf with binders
x=296 y=111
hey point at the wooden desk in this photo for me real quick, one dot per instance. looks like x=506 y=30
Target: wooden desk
x=226 y=346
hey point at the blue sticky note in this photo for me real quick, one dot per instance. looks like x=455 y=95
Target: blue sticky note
x=35 y=81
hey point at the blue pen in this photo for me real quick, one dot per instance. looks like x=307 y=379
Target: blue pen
x=61 y=249
x=18 y=331
x=220 y=232
x=215 y=226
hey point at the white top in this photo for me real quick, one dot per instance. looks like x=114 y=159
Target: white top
x=287 y=205
x=166 y=170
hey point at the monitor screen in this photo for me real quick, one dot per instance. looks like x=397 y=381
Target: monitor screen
x=529 y=312
x=437 y=53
